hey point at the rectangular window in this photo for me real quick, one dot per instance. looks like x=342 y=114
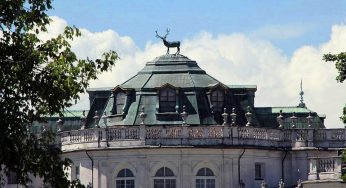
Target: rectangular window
x=12 y=178
x=77 y=172
x=259 y=171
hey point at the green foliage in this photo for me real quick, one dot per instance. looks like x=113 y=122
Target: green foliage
x=343 y=118
x=340 y=64
x=343 y=168
x=37 y=78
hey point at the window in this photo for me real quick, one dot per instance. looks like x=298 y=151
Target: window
x=119 y=102
x=125 y=179
x=217 y=100
x=12 y=178
x=164 y=178
x=259 y=171
x=205 y=178
x=77 y=172
x=167 y=100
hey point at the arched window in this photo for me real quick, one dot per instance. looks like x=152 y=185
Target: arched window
x=125 y=179
x=167 y=100
x=164 y=178
x=217 y=100
x=205 y=178
x=119 y=102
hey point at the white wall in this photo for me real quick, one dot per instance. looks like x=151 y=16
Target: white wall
x=185 y=162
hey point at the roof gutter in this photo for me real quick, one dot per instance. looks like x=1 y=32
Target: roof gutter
x=92 y=168
x=282 y=166
x=240 y=156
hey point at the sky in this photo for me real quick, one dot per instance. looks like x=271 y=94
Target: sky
x=272 y=44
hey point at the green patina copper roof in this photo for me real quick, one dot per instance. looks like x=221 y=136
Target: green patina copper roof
x=193 y=85
x=176 y=70
x=267 y=116
x=254 y=87
x=285 y=109
x=70 y=114
x=193 y=89
x=99 y=88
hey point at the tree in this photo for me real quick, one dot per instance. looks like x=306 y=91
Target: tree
x=340 y=64
x=37 y=78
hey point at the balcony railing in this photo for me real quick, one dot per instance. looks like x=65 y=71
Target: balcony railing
x=145 y=136
x=324 y=168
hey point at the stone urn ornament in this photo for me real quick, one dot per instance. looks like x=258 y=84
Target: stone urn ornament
x=248 y=117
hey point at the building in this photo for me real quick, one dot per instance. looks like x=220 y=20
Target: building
x=174 y=126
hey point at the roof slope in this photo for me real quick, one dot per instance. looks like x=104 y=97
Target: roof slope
x=176 y=70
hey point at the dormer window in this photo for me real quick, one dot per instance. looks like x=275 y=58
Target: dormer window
x=167 y=99
x=217 y=99
x=119 y=102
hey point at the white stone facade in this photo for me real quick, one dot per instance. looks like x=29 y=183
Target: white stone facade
x=233 y=154
x=289 y=154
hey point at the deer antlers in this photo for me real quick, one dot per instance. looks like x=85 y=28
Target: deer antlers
x=158 y=36
x=167 y=32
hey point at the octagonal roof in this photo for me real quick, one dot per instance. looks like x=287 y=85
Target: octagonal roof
x=176 y=70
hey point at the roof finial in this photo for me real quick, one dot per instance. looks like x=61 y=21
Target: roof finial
x=301 y=93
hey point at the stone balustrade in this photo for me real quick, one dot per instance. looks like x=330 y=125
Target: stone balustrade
x=147 y=136
x=324 y=168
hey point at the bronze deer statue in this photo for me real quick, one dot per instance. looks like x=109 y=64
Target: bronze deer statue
x=174 y=44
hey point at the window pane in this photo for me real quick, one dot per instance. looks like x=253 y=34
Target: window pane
x=128 y=173
x=160 y=172
x=205 y=172
x=258 y=173
x=125 y=173
x=200 y=183
x=130 y=183
x=120 y=183
x=119 y=102
x=208 y=172
x=77 y=172
x=210 y=183
x=217 y=100
x=12 y=178
x=159 y=183
x=171 y=98
x=121 y=173
x=120 y=98
x=170 y=183
x=167 y=100
x=171 y=93
x=168 y=172
x=201 y=172
x=164 y=93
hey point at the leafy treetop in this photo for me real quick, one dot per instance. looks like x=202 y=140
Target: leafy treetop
x=340 y=64
x=37 y=78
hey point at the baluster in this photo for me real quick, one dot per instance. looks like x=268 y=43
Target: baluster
x=281 y=184
x=184 y=116
x=59 y=123
x=293 y=120
x=142 y=129
x=83 y=121
x=248 y=116
x=234 y=117
x=225 y=117
x=309 y=119
x=280 y=120
x=96 y=119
